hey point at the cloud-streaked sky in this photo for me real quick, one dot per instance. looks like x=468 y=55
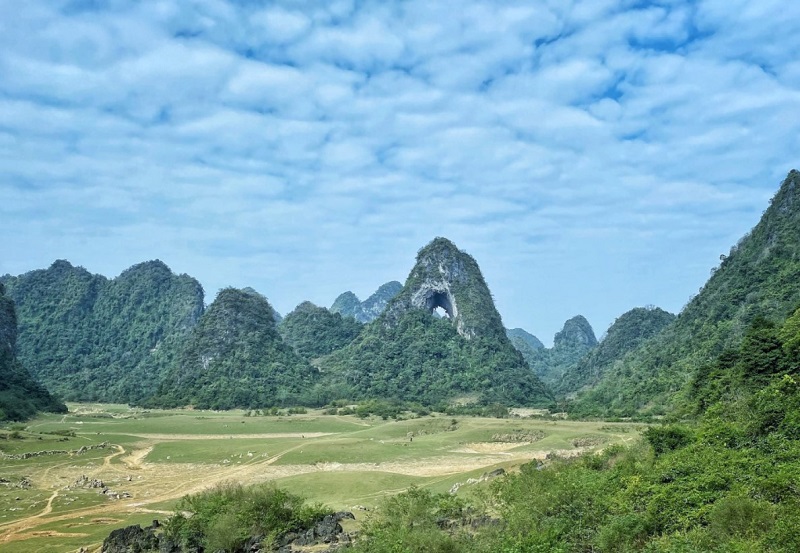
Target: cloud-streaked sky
x=593 y=156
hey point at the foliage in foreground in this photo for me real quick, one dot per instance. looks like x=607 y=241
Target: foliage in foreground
x=725 y=483
x=228 y=515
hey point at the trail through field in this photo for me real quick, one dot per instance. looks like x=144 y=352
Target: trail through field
x=263 y=436
x=155 y=483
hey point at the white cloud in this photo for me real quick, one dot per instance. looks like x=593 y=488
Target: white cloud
x=591 y=157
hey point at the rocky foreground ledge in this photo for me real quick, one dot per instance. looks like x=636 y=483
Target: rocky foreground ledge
x=150 y=539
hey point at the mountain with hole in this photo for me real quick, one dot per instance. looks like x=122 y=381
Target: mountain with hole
x=409 y=353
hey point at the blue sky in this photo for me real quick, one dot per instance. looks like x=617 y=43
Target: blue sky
x=593 y=156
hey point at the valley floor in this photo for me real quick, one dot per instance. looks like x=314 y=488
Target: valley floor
x=109 y=466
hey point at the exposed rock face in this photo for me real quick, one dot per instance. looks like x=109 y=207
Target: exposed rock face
x=577 y=332
x=446 y=277
x=348 y=304
x=374 y=306
x=150 y=539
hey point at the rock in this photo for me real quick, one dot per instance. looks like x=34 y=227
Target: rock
x=131 y=539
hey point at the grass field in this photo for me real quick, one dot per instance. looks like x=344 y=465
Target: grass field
x=153 y=458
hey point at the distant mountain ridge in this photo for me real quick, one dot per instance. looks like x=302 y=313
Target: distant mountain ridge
x=348 y=304
x=570 y=344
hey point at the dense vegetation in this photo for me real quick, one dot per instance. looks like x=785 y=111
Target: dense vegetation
x=423 y=358
x=627 y=333
x=525 y=343
x=235 y=357
x=521 y=336
x=20 y=395
x=314 y=331
x=760 y=277
x=93 y=339
x=725 y=483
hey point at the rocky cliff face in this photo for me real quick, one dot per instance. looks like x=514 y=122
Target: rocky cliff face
x=447 y=278
x=375 y=305
x=576 y=333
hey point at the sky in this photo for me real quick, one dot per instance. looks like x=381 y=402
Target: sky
x=593 y=156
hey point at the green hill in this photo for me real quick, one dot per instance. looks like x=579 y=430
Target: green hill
x=235 y=357
x=89 y=338
x=409 y=354
x=21 y=397
x=760 y=277
x=524 y=342
x=627 y=333
x=570 y=345
x=314 y=331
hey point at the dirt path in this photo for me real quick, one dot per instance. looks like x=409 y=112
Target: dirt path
x=269 y=436
x=152 y=484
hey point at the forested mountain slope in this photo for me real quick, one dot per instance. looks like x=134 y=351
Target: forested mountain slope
x=21 y=396
x=759 y=277
x=235 y=357
x=89 y=338
x=627 y=333
x=315 y=331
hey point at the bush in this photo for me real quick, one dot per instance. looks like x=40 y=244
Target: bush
x=740 y=517
x=223 y=517
x=668 y=438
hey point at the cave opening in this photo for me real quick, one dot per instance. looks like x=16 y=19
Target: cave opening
x=439 y=303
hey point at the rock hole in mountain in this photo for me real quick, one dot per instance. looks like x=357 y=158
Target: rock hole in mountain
x=439 y=303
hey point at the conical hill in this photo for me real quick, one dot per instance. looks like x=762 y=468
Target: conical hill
x=409 y=354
